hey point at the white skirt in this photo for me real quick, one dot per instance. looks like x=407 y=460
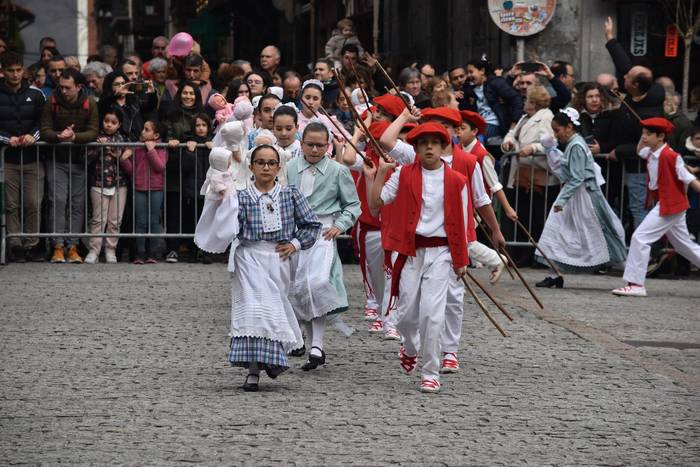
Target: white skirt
x=259 y=289
x=312 y=294
x=574 y=236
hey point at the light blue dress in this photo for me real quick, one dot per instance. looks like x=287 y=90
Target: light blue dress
x=330 y=190
x=586 y=235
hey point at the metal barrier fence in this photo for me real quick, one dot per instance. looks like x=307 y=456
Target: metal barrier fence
x=180 y=209
x=66 y=170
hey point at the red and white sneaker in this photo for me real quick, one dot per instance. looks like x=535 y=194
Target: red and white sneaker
x=407 y=363
x=391 y=335
x=450 y=364
x=371 y=314
x=376 y=326
x=429 y=385
x=631 y=291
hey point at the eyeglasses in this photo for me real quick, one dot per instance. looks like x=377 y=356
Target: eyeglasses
x=262 y=163
x=314 y=145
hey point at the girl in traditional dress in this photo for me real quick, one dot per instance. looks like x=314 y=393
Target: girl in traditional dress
x=265 y=224
x=582 y=232
x=317 y=286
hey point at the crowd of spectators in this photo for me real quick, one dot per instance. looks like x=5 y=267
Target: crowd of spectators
x=176 y=98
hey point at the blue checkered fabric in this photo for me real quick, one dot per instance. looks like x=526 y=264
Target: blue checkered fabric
x=298 y=220
x=267 y=353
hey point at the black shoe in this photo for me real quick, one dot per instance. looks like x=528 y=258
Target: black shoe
x=273 y=373
x=314 y=361
x=206 y=258
x=298 y=352
x=550 y=282
x=250 y=387
x=18 y=254
x=36 y=254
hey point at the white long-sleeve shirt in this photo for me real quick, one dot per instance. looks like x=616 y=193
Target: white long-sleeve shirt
x=652 y=158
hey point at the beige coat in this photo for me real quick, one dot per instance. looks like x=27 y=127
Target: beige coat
x=528 y=131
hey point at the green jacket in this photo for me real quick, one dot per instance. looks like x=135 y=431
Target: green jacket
x=59 y=114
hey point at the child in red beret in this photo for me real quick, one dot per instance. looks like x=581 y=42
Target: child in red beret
x=668 y=181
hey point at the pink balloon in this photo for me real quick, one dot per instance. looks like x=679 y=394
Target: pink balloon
x=180 y=45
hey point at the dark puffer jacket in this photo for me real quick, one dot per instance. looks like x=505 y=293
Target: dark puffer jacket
x=20 y=114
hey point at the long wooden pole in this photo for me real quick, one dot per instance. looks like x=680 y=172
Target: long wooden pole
x=534 y=243
x=488 y=294
x=375 y=143
x=393 y=85
x=337 y=127
x=522 y=279
x=483 y=307
x=483 y=229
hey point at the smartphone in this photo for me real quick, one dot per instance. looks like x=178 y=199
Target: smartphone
x=138 y=86
x=590 y=139
x=530 y=67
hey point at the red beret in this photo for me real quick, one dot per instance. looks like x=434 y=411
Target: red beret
x=475 y=119
x=377 y=129
x=451 y=115
x=393 y=105
x=408 y=126
x=658 y=124
x=363 y=115
x=430 y=128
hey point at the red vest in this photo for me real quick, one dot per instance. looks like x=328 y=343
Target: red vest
x=480 y=152
x=400 y=234
x=670 y=193
x=365 y=216
x=465 y=163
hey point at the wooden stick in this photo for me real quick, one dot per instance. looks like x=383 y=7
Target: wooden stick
x=362 y=91
x=522 y=279
x=483 y=307
x=483 y=229
x=375 y=143
x=534 y=243
x=488 y=294
x=327 y=115
x=393 y=85
x=622 y=100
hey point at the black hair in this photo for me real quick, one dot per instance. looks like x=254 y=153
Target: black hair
x=197 y=95
x=194 y=60
x=456 y=67
x=233 y=87
x=264 y=98
x=352 y=48
x=657 y=131
x=263 y=74
x=481 y=63
x=47 y=39
x=559 y=68
x=286 y=110
x=316 y=127
x=328 y=62
x=69 y=73
x=563 y=119
x=10 y=59
x=695 y=131
x=312 y=86
x=158 y=126
x=113 y=110
x=57 y=57
x=263 y=146
x=203 y=117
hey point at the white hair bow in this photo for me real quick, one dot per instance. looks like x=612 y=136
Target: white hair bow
x=312 y=81
x=572 y=114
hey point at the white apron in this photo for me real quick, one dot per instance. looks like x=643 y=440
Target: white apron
x=259 y=289
x=312 y=295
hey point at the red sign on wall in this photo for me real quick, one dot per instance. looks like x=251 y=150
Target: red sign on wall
x=671 y=44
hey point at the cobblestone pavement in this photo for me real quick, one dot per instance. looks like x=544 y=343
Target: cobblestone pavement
x=121 y=364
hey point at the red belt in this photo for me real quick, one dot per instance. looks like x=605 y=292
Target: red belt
x=421 y=242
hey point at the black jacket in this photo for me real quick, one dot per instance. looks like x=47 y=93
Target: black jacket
x=626 y=128
x=20 y=114
x=503 y=99
x=134 y=112
x=600 y=128
x=194 y=168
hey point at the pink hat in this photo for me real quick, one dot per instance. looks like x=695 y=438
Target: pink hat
x=180 y=45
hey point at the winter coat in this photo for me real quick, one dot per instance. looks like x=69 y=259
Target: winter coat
x=20 y=114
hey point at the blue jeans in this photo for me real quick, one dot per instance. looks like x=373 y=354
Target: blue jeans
x=637 y=192
x=148 y=206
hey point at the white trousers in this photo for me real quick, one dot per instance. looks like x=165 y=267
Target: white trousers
x=374 y=266
x=422 y=300
x=483 y=254
x=389 y=322
x=652 y=228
